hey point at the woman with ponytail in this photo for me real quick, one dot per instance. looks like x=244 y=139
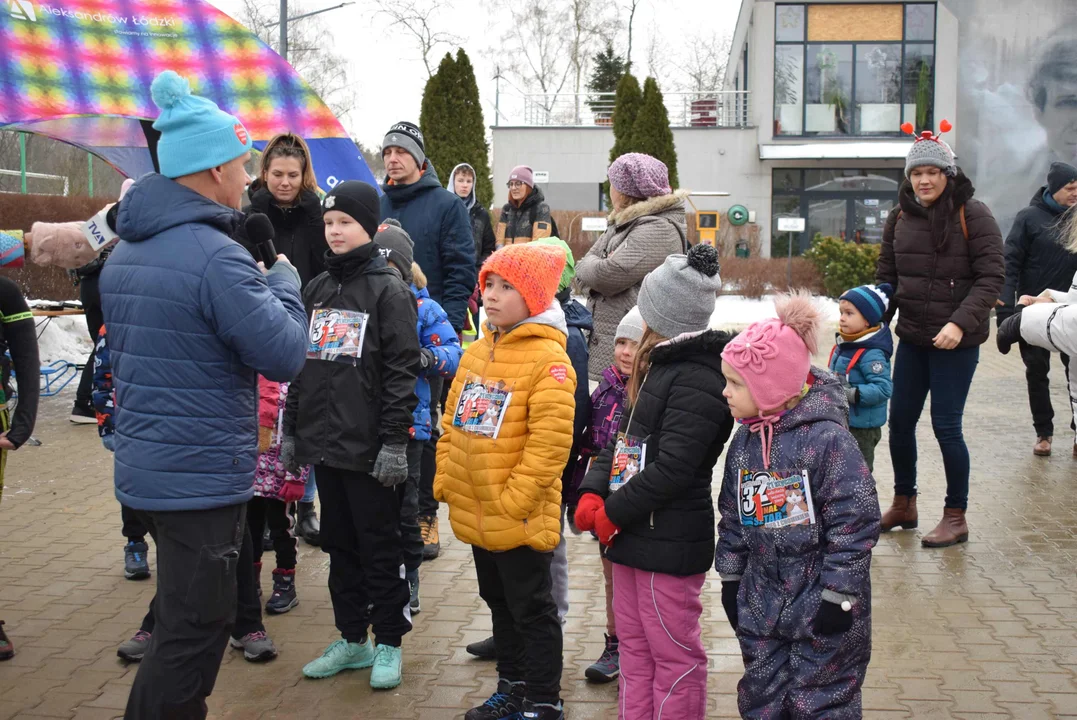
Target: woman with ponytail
x=799 y=519
x=648 y=493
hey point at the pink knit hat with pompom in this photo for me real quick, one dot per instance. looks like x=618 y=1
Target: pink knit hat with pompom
x=774 y=356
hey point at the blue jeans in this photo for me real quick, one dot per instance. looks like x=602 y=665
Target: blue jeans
x=308 y=493
x=947 y=375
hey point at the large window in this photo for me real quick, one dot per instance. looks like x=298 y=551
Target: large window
x=842 y=69
x=850 y=204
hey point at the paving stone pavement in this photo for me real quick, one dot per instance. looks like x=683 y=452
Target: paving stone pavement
x=985 y=630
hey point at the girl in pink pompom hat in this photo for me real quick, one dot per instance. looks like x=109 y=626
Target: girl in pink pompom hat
x=799 y=517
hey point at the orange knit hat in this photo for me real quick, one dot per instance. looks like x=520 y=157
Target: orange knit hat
x=534 y=270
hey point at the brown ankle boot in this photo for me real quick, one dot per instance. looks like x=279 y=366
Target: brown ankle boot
x=951 y=530
x=1042 y=448
x=902 y=513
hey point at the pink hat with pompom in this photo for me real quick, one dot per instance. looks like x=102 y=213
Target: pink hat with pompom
x=774 y=356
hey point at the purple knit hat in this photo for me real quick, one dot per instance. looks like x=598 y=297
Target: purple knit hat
x=524 y=174
x=639 y=176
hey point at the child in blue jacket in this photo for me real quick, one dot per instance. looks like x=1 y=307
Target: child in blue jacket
x=861 y=358
x=440 y=355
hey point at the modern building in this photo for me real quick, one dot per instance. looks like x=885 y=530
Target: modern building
x=808 y=124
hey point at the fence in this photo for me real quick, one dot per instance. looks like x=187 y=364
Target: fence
x=718 y=109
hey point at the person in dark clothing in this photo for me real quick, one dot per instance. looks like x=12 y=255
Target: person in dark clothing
x=87 y=278
x=286 y=191
x=526 y=216
x=462 y=181
x=1037 y=260
x=942 y=254
x=189 y=313
x=349 y=413
x=18 y=337
x=438 y=224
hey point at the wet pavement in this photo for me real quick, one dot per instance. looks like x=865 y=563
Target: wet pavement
x=985 y=630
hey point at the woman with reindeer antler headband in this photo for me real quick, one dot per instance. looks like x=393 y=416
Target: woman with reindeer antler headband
x=942 y=253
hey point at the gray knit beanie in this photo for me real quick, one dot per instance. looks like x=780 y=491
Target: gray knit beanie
x=396 y=245
x=678 y=296
x=408 y=136
x=931 y=151
x=631 y=326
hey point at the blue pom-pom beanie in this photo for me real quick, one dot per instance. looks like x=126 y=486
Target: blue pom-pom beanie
x=871 y=300
x=196 y=135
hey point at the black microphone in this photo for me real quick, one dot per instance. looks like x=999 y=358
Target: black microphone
x=260 y=232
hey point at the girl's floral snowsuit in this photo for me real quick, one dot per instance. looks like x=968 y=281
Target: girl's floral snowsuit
x=270 y=475
x=790 y=672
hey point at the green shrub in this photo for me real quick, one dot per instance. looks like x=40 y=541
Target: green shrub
x=843 y=265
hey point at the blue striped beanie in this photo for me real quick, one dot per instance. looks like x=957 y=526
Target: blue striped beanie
x=871 y=300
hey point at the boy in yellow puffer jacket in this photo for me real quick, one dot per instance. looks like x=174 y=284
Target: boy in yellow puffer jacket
x=507 y=437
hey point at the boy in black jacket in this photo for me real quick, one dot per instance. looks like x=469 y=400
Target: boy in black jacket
x=349 y=413
x=462 y=181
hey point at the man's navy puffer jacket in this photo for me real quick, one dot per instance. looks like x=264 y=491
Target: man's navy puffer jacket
x=192 y=322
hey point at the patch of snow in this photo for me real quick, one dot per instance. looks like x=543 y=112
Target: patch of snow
x=63 y=338
x=735 y=312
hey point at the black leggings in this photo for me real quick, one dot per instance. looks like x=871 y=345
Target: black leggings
x=280 y=517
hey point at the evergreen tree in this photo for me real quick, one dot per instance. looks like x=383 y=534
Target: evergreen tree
x=625 y=109
x=452 y=123
x=609 y=67
x=651 y=133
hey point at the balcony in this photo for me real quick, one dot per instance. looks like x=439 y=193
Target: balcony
x=718 y=109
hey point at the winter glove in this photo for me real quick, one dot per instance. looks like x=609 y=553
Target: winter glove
x=427 y=359
x=292 y=491
x=586 y=509
x=1004 y=313
x=1009 y=332
x=832 y=619
x=391 y=467
x=109 y=441
x=287 y=455
x=604 y=527
x=852 y=394
x=730 y=588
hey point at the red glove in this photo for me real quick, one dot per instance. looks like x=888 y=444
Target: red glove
x=586 y=508
x=292 y=491
x=604 y=527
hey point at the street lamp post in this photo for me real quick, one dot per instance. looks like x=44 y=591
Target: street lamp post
x=284 y=20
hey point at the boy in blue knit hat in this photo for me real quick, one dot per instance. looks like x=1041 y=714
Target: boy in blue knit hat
x=861 y=357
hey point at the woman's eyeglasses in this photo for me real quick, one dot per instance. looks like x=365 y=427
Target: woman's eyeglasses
x=513 y=184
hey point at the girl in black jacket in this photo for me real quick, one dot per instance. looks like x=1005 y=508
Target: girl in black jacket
x=349 y=413
x=648 y=494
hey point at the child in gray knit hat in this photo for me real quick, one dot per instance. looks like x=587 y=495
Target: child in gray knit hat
x=678 y=296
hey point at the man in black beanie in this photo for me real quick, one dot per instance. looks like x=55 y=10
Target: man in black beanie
x=1036 y=260
x=438 y=223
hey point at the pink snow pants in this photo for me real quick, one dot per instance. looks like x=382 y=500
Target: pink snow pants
x=663 y=664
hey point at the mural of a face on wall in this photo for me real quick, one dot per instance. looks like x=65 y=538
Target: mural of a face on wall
x=1017 y=96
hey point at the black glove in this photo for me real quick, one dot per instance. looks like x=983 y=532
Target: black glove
x=730 y=588
x=1009 y=332
x=427 y=358
x=852 y=394
x=1003 y=313
x=831 y=619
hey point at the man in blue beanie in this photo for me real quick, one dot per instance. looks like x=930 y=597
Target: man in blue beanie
x=192 y=322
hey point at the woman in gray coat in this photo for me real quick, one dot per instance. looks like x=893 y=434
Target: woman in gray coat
x=647 y=224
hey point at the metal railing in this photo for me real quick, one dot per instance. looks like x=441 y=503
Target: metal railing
x=718 y=109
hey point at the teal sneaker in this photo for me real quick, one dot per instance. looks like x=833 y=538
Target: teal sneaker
x=386 y=672
x=342 y=655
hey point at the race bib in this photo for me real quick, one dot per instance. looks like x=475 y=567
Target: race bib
x=336 y=335
x=629 y=457
x=481 y=407
x=775 y=498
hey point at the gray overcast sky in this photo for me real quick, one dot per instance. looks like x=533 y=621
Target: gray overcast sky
x=389 y=76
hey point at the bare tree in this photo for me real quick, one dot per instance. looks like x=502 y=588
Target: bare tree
x=633 y=5
x=418 y=18
x=310 y=52
x=590 y=21
x=702 y=62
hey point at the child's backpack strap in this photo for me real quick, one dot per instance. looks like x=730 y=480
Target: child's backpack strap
x=964 y=224
x=856 y=358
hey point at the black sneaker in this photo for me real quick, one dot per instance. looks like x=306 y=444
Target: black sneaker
x=7 y=650
x=307 y=525
x=283 y=598
x=81 y=415
x=135 y=565
x=506 y=702
x=483 y=649
x=542 y=711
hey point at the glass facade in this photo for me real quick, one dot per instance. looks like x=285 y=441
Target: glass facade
x=850 y=204
x=853 y=70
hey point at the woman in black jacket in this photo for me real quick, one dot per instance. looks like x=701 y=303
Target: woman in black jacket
x=648 y=494
x=287 y=193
